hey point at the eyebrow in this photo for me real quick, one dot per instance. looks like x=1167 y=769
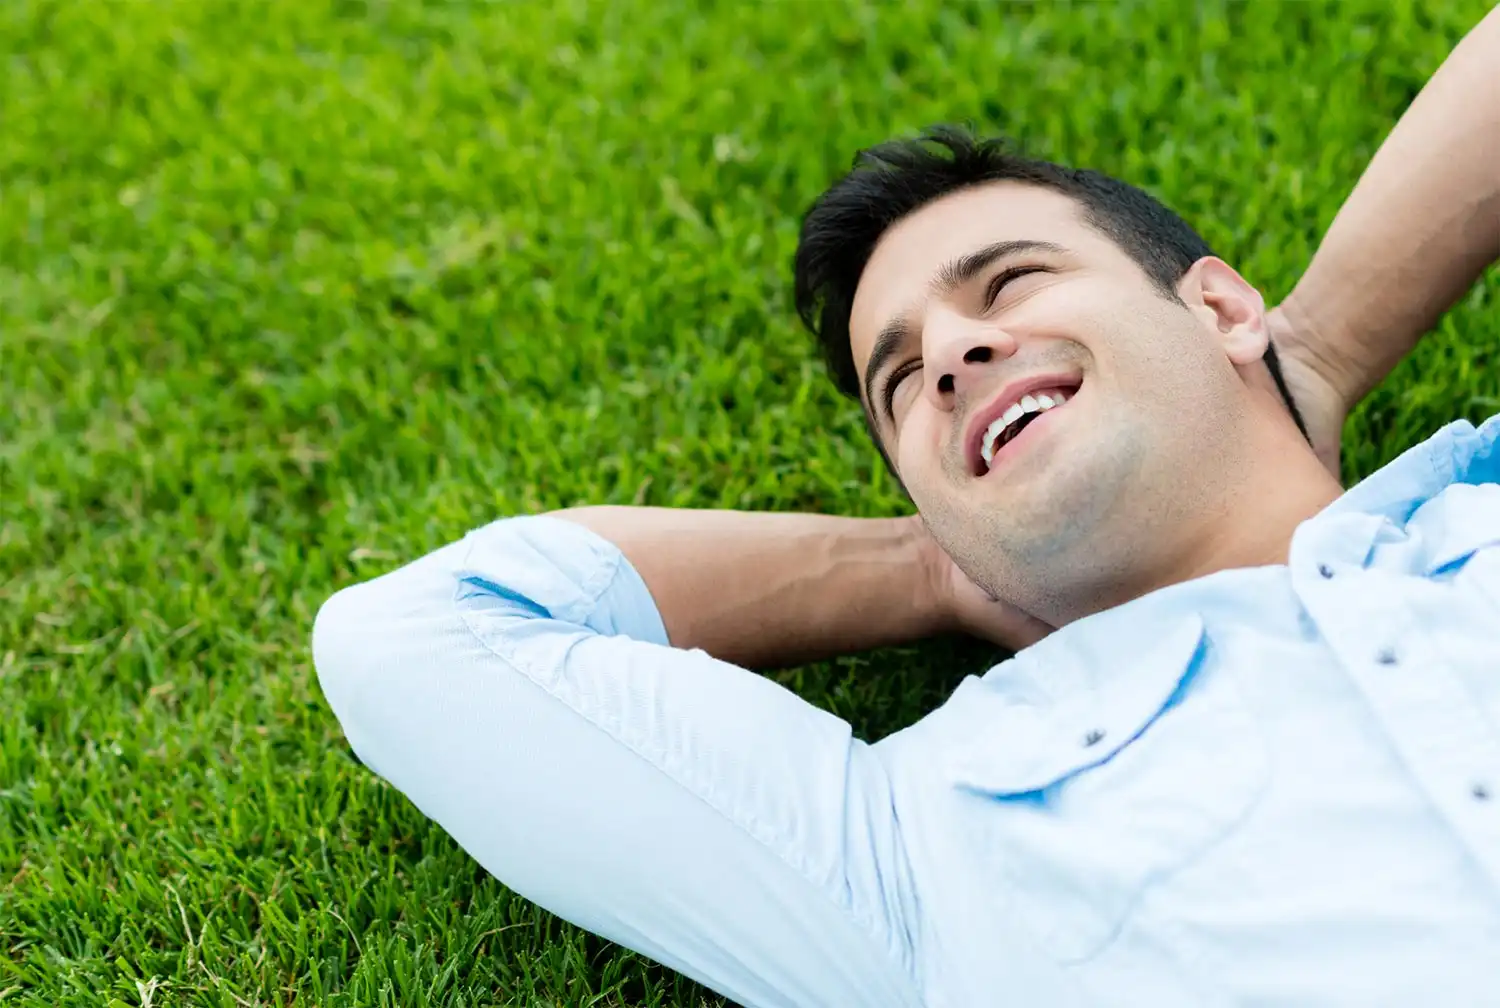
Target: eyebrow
x=949 y=277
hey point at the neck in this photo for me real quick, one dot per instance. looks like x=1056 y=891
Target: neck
x=1250 y=523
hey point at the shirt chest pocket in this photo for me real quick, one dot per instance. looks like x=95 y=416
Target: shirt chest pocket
x=1094 y=803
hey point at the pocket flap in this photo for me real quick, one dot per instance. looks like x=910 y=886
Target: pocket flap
x=1025 y=746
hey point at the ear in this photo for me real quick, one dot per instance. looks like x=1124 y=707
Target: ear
x=1228 y=307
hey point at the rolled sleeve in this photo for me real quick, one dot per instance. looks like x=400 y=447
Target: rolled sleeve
x=544 y=566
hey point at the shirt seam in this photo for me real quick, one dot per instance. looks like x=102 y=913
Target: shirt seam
x=524 y=668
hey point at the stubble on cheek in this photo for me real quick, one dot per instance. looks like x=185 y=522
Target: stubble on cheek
x=1068 y=533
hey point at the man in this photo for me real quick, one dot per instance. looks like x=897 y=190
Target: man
x=1258 y=761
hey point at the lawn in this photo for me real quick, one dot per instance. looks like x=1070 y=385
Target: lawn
x=290 y=292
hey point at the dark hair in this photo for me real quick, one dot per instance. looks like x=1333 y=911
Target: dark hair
x=893 y=179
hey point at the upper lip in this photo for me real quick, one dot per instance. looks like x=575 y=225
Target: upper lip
x=991 y=411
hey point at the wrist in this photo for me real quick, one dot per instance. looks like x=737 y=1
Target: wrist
x=1347 y=350
x=1308 y=334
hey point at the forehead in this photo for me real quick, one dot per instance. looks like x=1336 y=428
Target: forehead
x=911 y=252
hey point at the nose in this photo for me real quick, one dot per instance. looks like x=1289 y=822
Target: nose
x=957 y=352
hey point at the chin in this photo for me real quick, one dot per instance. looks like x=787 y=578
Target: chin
x=1085 y=506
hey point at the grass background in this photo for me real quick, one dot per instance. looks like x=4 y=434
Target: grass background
x=290 y=292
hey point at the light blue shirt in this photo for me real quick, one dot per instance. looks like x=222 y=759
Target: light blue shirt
x=1268 y=786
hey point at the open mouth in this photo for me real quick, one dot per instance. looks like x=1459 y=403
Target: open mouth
x=1016 y=419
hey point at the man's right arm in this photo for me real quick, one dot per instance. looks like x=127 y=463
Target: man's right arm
x=516 y=686
x=1420 y=226
x=772 y=589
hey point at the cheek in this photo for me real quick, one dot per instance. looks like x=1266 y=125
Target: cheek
x=918 y=450
x=1178 y=370
x=920 y=460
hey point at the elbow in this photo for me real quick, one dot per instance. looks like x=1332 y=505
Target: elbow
x=370 y=644
x=335 y=629
x=344 y=643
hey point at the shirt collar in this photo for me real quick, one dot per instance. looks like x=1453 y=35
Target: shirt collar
x=1458 y=453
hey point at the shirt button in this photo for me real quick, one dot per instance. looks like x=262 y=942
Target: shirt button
x=1093 y=738
x=1386 y=656
x=1325 y=570
x=1480 y=791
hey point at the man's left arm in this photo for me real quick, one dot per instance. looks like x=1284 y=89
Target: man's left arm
x=1420 y=226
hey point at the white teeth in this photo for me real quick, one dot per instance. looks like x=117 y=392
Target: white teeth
x=987 y=445
x=1028 y=404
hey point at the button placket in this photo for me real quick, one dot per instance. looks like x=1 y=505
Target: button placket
x=1421 y=702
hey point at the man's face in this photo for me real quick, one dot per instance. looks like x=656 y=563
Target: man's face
x=998 y=292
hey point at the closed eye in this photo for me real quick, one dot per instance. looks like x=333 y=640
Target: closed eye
x=893 y=381
x=1004 y=277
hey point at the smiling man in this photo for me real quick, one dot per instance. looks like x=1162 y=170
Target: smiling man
x=1251 y=751
x=1044 y=355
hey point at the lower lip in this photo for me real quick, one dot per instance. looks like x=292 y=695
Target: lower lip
x=1023 y=440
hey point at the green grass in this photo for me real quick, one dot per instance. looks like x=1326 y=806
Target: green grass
x=292 y=291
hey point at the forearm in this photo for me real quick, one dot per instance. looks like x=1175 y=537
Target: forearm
x=1421 y=225
x=770 y=589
